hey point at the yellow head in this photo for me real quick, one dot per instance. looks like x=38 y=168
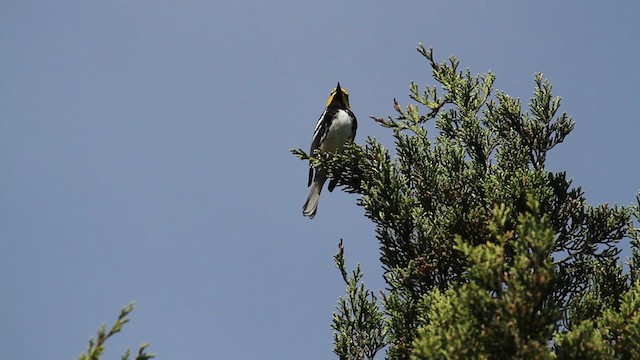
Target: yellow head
x=339 y=97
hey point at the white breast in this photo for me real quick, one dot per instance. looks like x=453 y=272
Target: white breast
x=339 y=132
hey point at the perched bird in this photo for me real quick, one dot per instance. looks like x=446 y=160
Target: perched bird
x=336 y=125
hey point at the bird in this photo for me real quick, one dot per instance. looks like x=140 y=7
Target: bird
x=336 y=126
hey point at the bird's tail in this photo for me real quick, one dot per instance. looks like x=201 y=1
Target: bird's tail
x=311 y=206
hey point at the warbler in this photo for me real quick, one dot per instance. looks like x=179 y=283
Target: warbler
x=336 y=126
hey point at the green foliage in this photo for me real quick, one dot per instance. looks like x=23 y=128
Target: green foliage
x=611 y=334
x=506 y=307
x=486 y=253
x=583 y=342
x=358 y=323
x=96 y=346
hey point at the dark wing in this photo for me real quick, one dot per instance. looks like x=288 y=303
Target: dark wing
x=322 y=127
x=354 y=126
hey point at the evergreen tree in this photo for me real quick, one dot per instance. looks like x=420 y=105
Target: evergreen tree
x=486 y=253
x=96 y=346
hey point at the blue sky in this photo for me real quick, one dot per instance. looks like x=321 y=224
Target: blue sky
x=144 y=154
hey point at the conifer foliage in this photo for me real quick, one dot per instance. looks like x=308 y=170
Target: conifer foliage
x=96 y=347
x=486 y=253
